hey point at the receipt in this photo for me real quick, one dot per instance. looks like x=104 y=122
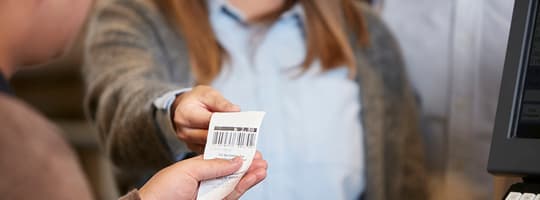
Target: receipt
x=230 y=135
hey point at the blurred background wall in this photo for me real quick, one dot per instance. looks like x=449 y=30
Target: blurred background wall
x=454 y=51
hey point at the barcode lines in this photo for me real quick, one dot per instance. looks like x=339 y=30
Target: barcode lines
x=234 y=139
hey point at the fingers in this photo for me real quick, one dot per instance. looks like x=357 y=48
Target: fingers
x=201 y=169
x=208 y=169
x=215 y=102
x=195 y=136
x=192 y=116
x=255 y=174
x=258 y=164
x=194 y=109
x=258 y=155
x=249 y=180
x=195 y=139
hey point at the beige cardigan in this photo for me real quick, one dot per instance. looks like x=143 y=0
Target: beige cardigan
x=133 y=56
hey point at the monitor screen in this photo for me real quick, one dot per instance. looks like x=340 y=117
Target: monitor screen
x=515 y=146
x=528 y=125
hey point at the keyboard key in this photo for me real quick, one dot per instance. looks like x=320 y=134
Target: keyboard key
x=513 y=196
x=528 y=196
x=537 y=197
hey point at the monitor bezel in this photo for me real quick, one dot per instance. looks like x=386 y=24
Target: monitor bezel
x=509 y=154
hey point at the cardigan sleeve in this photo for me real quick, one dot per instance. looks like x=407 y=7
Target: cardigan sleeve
x=125 y=73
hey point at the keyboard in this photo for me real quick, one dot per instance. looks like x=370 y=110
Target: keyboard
x=523 y=191
x=522 y=196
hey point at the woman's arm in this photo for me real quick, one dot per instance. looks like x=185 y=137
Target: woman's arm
x=124 y=78
x=133 y=70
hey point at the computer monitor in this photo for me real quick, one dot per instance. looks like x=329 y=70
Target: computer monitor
x=515 y=148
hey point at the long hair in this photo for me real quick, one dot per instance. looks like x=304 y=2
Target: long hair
x=328 y=25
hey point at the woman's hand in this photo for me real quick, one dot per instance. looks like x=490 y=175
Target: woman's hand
x=181 y=180
x=192 y=112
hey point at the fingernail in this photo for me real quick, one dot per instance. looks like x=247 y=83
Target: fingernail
x=235 y=107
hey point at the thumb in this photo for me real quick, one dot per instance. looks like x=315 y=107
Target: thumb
x=209 y=169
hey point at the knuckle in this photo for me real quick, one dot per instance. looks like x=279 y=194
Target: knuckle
x=201 y=88
x=185 y=112
x=182 y=136
x=211 y=94
x=179 y=119
x=190 y=122
x=238 y=193
x=225 y=104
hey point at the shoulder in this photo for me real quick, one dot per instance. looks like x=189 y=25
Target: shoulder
x=379 y=33
x=366 y=9
x=21 y=121
x=25 y=131
x=133 y=5
x=130 y=24
x=16 y=114
x=382 y=53
x=35 y=148
x=141 y=14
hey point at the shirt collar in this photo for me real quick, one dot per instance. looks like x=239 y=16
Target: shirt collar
x=296 y=11
x=4 y=85
x=216 y=6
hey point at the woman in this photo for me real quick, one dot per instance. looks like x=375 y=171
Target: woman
x=341 y=119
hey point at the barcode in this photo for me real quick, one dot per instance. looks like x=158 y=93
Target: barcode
x=234 y=139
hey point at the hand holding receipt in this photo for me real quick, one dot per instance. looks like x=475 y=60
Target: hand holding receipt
x=230 y=166
x=230 y=135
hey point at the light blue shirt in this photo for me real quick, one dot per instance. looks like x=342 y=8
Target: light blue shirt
x=311 y=136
